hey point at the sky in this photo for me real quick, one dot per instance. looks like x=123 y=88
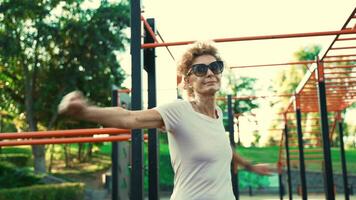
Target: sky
x=183 y=20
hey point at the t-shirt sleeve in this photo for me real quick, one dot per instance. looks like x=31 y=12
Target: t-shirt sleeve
x=171 y=114
x=220 y=113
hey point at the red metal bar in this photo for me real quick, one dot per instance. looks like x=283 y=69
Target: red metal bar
x=65 y=140
x=64 y=133
x=342 y=77
x=343 y=72
x=249 y=38
x=305 y=138
x=312 y=74
x=340 y=56
x=341 y=48
x=343 y=39
x=124 y=91
x=340 y=67
x=307 y=150
x=337 y=36
x=308 y=156
x=305 y=62
x=254 y=97
x=332 y=82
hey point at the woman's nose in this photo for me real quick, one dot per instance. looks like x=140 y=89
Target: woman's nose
x=209 y=72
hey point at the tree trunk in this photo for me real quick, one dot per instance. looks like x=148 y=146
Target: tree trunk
x=90 y=151
x=38 y=151
x=80 y=152
x=66 y=155
x=51 y=158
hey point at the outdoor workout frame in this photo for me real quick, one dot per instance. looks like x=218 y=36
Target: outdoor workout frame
x=299 y=99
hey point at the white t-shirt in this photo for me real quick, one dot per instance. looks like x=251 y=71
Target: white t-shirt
x=200 y=153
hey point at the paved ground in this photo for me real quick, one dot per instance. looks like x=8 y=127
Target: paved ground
x=275 y=197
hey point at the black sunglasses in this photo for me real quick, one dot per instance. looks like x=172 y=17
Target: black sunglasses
x=217 y=67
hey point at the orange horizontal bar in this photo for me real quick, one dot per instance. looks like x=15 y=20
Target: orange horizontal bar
x=63 y=133
x=337 y=61
x=340 y=67
x=341 y=48
x=65 y=140
x=344 y=72
x=276 y=64
x=125 y=137
x=307 y=161
x=249 y=38
x=255 y=97
x=305 y=62
x=307 y=156
x=124 y=91
x=344 y=39
x=306 y=150
x=340 y=77
x=340 y=56
x=308 y=138
x=343 y=82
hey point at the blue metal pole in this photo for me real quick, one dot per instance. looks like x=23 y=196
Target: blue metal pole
x=234 y=177
x=301 y=149
x=153 y=140
x=137 y=170
x=329 y=180
x=114 y=158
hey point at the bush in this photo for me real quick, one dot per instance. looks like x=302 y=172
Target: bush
x=18 y=159
x=63 y=191
x=11 y=176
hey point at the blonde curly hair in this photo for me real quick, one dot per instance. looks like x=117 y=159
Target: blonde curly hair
x=195 y=50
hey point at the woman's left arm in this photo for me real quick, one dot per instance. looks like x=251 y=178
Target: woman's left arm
x=262 y=169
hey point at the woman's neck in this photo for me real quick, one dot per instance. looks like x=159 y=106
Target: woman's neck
x=205 y=105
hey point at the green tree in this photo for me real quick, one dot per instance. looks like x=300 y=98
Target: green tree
x=51 y=47
x=239 y=86
x=287 y=81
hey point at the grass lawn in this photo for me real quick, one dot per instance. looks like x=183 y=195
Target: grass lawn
x=90 y=172
x=256 y=155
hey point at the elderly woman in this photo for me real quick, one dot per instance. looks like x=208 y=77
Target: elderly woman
x=199 y=148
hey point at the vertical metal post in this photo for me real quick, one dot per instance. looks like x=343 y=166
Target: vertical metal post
x=343 y=158
x=234 y=177
x=153 y=140
x=290 y=191
x=114 y=157
x=137 y=170
x=329 y=180
x=281 y=188
x=301 y=148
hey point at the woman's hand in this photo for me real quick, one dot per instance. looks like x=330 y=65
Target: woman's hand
x=73 y=104
x=261 y=169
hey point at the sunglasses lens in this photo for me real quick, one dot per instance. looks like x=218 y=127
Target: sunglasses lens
x=200 y=69
x=216 y=67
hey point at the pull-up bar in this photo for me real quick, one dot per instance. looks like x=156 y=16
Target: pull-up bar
x=65 y=136
x=249 y=38
x=303 y=62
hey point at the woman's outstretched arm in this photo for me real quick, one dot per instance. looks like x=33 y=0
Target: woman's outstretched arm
x=262 y=169
x=75 y=105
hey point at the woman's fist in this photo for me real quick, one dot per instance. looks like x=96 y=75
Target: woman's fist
x=73 y=104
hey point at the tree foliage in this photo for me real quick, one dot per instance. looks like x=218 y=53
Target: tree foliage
x=287 y=81
x=238 y=86
x=51 y=47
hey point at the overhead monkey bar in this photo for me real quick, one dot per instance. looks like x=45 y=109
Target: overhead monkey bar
x=250 y=38
x=303 y=62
